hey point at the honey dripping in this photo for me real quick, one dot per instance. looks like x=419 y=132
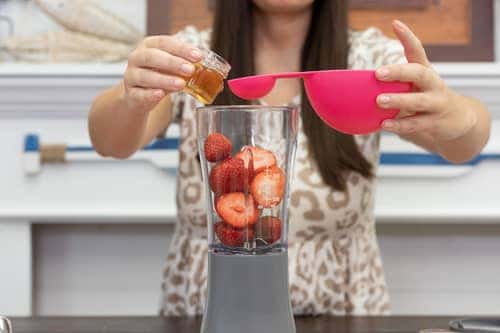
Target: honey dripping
x=205 y=84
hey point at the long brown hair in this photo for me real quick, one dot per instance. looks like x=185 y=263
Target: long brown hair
x=326 y=47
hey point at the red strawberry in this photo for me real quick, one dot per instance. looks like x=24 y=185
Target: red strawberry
x=231 y=236
x=229 y=176
x=268 y=187
x=237 y=209
x=262 y=158
x=268 y=228
x=217 y=147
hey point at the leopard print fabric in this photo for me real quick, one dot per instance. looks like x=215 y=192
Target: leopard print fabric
x=334 y=261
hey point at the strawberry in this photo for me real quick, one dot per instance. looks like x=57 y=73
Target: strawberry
x=262 y=158
x=237 y=209
x=230 y=236
x=217 y=147
x=268 y=187
x=229 y=176
x=268 y=228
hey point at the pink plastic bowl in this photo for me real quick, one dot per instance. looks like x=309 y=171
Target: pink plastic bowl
x=344 y=99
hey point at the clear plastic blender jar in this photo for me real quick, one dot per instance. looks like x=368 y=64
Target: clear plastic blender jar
x=247 y=156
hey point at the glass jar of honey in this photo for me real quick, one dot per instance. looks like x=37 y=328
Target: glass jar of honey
x=208 y=78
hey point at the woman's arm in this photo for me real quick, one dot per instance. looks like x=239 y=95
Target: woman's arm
x=118 y=130
x=433 y=116
x=129 y=115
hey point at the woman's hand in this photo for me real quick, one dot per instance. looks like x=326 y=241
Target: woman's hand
x=433 y=115
x=158 y=66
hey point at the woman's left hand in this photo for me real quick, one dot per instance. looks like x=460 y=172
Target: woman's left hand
x=432 y=108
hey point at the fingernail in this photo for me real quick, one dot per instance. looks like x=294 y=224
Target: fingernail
x=382 y=73
x=179 y=83
x=384 y=99
x=399 y=24
x=196 y=54
x=187 y=69
x=158 y=94
x=388 y=124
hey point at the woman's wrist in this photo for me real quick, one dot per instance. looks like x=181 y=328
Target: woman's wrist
x=458 y=122
x=129 y=105
x=466 y=128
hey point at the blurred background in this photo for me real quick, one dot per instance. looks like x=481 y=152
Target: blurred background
x=76 y=239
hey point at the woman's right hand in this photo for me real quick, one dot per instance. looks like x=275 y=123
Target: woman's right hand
x=157 y=67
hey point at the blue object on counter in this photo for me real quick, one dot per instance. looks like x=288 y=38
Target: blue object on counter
x=159 y=144
x=32 y=144
x=427 y=159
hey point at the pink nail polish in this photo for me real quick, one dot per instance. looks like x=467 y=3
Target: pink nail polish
x=384 y=99
x=382 y=73
x=399 y=24
x=196 y=54
x=388 y=124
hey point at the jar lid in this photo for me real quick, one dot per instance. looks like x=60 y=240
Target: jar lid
x=214 y=61
x=5 y=325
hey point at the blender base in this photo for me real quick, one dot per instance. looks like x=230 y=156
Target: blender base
x=248 y=294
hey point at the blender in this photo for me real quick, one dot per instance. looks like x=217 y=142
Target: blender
x=247 y=155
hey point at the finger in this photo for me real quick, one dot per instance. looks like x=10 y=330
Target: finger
x=423 y=77
x=411 y=102
x=146 y=98
x=146 y=78
x=414 y=49
x=410 y=125
x=162 y=61
x=404 y=113
x=175 y=47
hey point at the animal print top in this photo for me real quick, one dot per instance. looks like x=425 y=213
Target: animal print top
x=334 y=260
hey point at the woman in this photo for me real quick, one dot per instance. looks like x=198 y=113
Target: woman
x=335 y=265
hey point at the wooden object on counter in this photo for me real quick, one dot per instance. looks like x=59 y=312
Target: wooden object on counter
x=321 y=324
x=55 y=153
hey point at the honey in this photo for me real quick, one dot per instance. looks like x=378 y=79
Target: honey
x=208 y=78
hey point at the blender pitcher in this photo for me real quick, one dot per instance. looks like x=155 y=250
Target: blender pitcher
x=247 y=155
